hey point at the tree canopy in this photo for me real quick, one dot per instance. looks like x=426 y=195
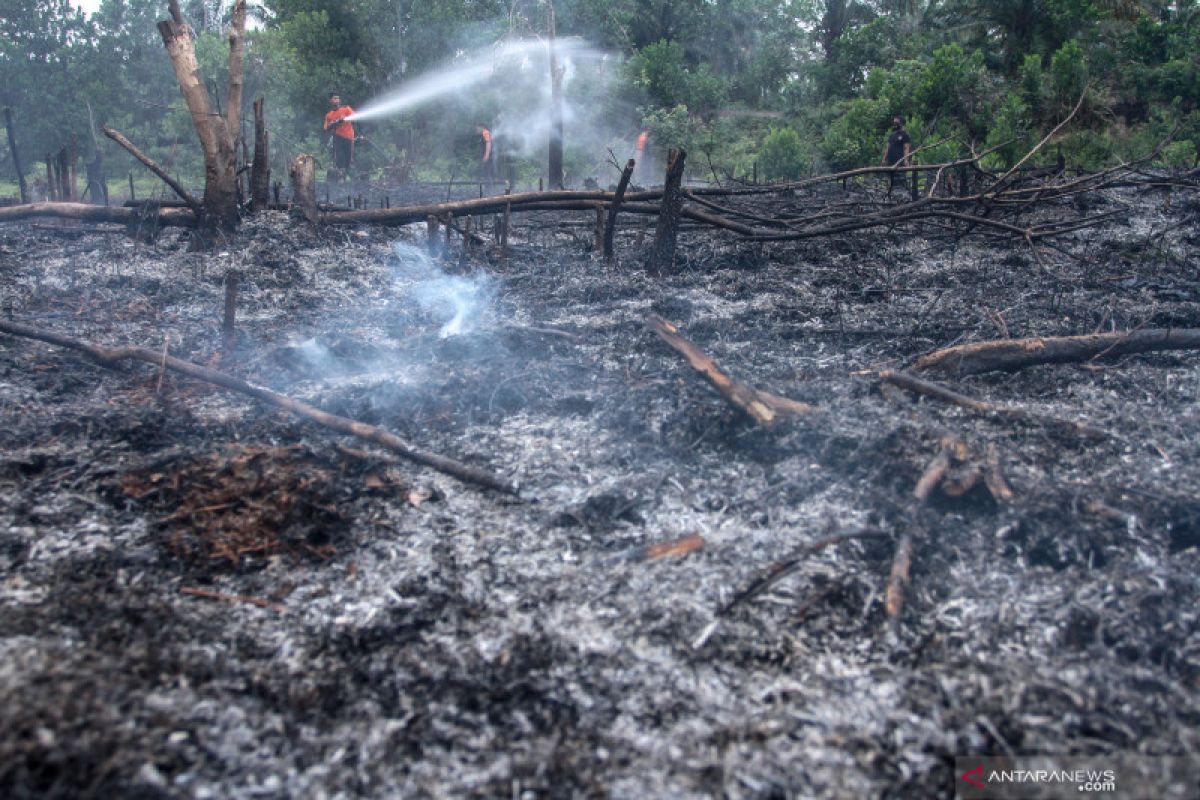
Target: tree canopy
x=795 y=84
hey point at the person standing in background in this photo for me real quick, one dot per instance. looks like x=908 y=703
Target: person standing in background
x=896 y=153
x=487 y=156
x=342 y=131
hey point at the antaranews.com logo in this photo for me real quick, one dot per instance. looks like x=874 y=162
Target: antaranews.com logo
x=1115 y=777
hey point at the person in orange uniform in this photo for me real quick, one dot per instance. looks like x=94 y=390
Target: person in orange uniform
x=487 y=156
x=343 y=132
x=639 y=155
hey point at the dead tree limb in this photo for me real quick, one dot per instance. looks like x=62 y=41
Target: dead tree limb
x=610 y=225
x=762 y=407
x=1014 y=354
x=662 y=254
x=150 y=164
x=109 y=356
x=912 y=383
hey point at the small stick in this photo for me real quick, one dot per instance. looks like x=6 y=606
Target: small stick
x=676 y=548
x=935 y=471
x=898 y=580
x=229 y=323
x=209 y=594
x=162 y=366
x=781 y=570
x=993 y=476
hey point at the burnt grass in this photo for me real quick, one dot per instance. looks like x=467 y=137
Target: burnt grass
x=204 y=597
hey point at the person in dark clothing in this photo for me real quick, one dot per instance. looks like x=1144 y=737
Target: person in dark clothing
x=896 y=153
x=487 y=156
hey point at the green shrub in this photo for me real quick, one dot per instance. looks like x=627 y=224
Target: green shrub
x=784 y=155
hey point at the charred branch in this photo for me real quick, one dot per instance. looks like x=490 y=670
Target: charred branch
x=1014 y=354
x=762 y=407
x=110 y=356
x=85 y=212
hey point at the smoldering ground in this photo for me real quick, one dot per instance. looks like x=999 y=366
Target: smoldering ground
x=392 y=632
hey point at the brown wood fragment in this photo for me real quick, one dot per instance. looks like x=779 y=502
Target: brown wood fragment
x=109 y=356
x=675 y=549
x=935 y=470
x=1014 y=354
x=762 y=407
x=209 y=594
x=898 y=579
x=993 y=476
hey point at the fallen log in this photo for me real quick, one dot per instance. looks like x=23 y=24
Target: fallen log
x=109 y=356
x=86 y=212
x=1014 y=354
x=762 y=407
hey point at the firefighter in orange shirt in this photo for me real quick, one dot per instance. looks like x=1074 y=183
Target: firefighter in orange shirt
x=343 y=133
x=487 y=156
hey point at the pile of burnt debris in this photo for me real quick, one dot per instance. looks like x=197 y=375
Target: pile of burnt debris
x=804 y=517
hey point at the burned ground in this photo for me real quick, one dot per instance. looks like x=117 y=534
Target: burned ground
x=204 y=597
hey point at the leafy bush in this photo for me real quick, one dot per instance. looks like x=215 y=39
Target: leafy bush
x=784 y=155
x=856 y=137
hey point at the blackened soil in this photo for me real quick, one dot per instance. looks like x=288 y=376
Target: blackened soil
x=204 y=597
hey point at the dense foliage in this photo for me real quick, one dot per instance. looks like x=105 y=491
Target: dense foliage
x=780 y=87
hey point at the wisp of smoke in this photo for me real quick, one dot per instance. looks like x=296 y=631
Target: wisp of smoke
x=455 y=301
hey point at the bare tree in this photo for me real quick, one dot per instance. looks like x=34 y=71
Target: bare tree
x=218 y=134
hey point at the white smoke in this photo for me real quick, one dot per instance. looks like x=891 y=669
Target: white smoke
x=458 y=303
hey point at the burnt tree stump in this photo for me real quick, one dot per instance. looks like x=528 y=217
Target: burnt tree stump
x=662 y=253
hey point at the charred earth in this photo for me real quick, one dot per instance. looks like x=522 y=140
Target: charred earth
x=201 y=596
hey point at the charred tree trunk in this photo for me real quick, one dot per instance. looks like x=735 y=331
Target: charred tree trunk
x=12 y=147
x=260 y=171
x=303 y=172
x=610 y=226
x=662 y=254
x=217 y=133
x=555 y=165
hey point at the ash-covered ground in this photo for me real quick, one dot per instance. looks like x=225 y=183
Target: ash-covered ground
x=204 y=597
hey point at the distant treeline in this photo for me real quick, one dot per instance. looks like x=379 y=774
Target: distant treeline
x=773 y=88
